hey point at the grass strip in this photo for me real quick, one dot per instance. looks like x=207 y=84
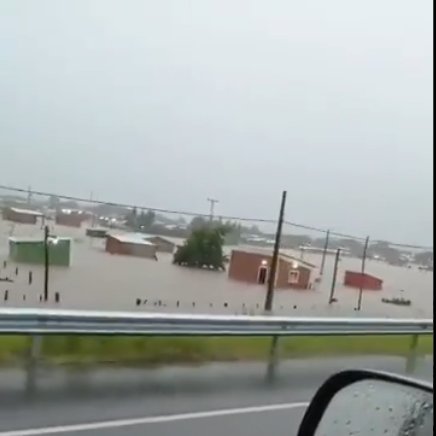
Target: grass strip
x=165 y=350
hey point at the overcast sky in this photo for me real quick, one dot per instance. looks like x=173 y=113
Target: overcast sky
x=166 y=103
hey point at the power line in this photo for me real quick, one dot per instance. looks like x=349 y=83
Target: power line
x=132 y=206
x=203 y=215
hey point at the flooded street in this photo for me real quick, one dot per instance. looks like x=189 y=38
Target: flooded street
x=99 y=280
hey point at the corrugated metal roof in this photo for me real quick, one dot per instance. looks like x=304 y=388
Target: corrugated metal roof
x=172 y=239
x=162 y=238
x=131 y=238
x=26 y=211
x=269 y=252
x=35 y=239
x=296 y=259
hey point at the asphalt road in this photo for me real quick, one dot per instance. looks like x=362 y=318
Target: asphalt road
x=214 y=400
x=277 y=423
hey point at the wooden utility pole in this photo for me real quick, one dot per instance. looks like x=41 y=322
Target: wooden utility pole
x=274 y=261
x=46 y=261
x=212 y=202
x=335 y=275
x=364 y=254
x=324 y=253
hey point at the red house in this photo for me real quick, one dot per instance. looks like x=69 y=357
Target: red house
x=70 y=219
x=253 y=266
x=358 y=280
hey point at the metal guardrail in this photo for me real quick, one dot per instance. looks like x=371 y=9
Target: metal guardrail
x=50 y=322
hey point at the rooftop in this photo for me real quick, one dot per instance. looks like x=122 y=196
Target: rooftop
x=35 y=238
x=365 y=274
x=26 y=211
x=174 y=241
x=131 y=238
x=269 y=252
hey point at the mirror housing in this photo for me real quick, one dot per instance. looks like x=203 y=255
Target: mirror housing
x=355 y=385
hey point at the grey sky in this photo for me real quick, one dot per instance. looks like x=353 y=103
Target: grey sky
x=168 y=102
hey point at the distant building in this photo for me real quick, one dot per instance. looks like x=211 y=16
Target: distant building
x=22 y=216
x=358 y=280
x=257 y=240
x=163 y=245
x=70 y=218
x=32 y=250
x=320 y=250
x=253 y=265
x=132 y=244
x=96 y=232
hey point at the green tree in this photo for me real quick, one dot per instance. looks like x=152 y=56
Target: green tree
x=425 y=258
x=233 y=233
x=146 y=220
x=389 y=254
x=203 y=249
x=132 y=218
x=140 y=222
x=198 y=222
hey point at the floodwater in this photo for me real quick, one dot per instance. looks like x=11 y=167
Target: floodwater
x=98 y=280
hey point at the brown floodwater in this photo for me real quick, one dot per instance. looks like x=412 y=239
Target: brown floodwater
x=98 y=280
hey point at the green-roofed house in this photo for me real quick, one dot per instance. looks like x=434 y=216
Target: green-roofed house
x=31 y=250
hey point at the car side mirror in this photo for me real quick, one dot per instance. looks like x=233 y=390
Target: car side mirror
x=360 y=402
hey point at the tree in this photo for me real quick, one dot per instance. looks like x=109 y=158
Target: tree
x=254 y=230
x=354 y=247
x=53 y=202
x=146 y=220
x=142 y=221
x=425 y=258
x=389 y=254
x=198 y=222
x=203 y=249
x=132 y=218
x=69 y=204
x=233 y=233
x=181 y=221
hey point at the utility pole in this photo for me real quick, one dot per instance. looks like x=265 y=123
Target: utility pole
x=46 y=262
x=212 y=202
x=274 y=261
x=364 y=254
x=324 y=253
x=29 y=195
x=91 y=199
x=335 y=275
x=48 y=240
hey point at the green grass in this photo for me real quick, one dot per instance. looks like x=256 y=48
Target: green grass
x=154 y=351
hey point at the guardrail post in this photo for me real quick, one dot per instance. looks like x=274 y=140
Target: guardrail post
x=272 y=360
x=412 y=355
x=32 y=363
